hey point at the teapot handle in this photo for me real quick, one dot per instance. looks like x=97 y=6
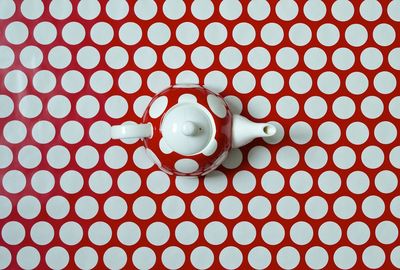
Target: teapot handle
x=131 y=131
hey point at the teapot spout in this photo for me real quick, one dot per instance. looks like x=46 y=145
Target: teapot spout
x=244 y=130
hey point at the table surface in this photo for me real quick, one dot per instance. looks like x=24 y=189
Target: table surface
x=321 y=193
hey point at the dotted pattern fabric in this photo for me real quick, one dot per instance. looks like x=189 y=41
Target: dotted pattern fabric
x=322 y=194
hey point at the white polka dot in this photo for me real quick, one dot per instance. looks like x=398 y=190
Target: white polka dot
x=45 y=33
x=244 y=182
x=174 y=9
x=244 y=82
x=272 y=233
x=187 y=33
x=42 y=233
x=158 y=182
x=231 y=257
x=316 y=257
x=272 y=182
x=244 y=34
x=71 y=233
x=371 y=58
x=385 y=132
x=28 y=207
x=59 y=57
x=30 y=106
x=6 y=57
x=358 y=182
x=315 y=107
x=89 y=9
x=88 y=57
x=300 y=34
x=215 y=233
x=186 y=165
x=372 y=107
x=202 y=57
x=115 y=157
x=187 y=77
x=145 y=57
x=287 y=157
x=316 y=207
x=394 y=107
x=5 y=206
x=144 y=207
x=259 y=207
x=29 y=156
x=373 y=257
x=393 y=10
x=300 y=82
x=357 y=133
x=28 y=257
x=130 y=33
x=14 y=182
x=314 y=10
x=316 y=157
x=158 y=33
x=287 y=58
x=158 y=81
x=259 y=107
x=186 y=185
x=386 y=232
x=384 y=34
x=202 y=257
x=301 y=233
x=345 y=257
x=8 y=9
x=128 y=233
x=356 y=35
x=259 y=58
x=73 y=33
x=288 y=257
x=215 y=81
x=234 y=104
x=141 y=159
x=357 y=83
x=57 y=207
x=58 y=157
x=72 y=132
x=329 y=233
x=386 y=181
x=72 y=81
x=102 y=33
x=14 y=131
x=315 y=58
x=13 y=233
x=173 y=207
x=144 y=258
x=344 y=207
x=244 y=233
x=16 y=33
x=202 y=10
x=43 y=132
x=145 y=10
x=258 y=9
x=6 y=156
x=117 y=9
x=300 y=132
x=116 y=106
x=202 y=207
x=394 y=207
x=16 y=81
x=42 y=182
x=287 y=107
x=230 y=10
x=129 y=82
x=71 y=182
x=343 y=107
x=87 y=157
x=344 y=157
x=31 y=56
x=99 y=233
x=87 y=106
x=86 y=258
x=157 y=233
x=373 y=207
x=173 y=257
x=230 y=57
x=115 y=207
x=329 y=182
x=385 y=82
x=342 y=10
x=272 y=82
x=370 y=10
x=115 y=258
x=32 y=9
x=44 y=81
x=186 y=233
x=57 y=258
x=343 y=58
x=215 y=182
x=358 y=233
x=230 y=207
x=116 y=57
x=287 y=207
x=60 y=9
x=328 y=34
x=328 y=82
x=174 y=57
x=372 y=157
x=217 y=105
x=301 y=182
x=286 y=9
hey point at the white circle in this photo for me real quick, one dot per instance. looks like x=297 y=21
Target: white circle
x=28 y=207
x=343 y=58
x=329 y=233
x=315 y=58
x=258 y=9
x=32 y=9
x=87 y=106
x=373 y=207
x=259 y=107
x=58 y=157
x=272 y=182
x=14 y=181
x=356 y=35
x=71 y=182
x=173 y=57
x=43 y=132
x=287 y=58
x=159 y=33
x=144 y=258
x=156 y=82
x=13 y=233
x=130 y=33
x=385 y=132
x=89 y=9
x=101 y=81
x=29 y=156
x=88 y=57
x=144 y=207
x=287 y=107
x=6 y=57
x=42 y=233
x=300 y=82
x=44 y=81
x=174 y=9
x=16 y=81
x=244 y=233
x=315 y=107
x=185 y=184
x=116 y=57
x=288 y=257
x=394 y=106
x=230 y=10
x=344 y=207
x=30 y=106
x=215 y=233
x=286 y=10
x=57 y=258
x=372 y=157
x=344 y=157
x=385 y=82
x=342 y=10
x=45 y=33
x=384 y=34
x=259 y=257
x=59 y=57
x=370 y=10
x=202 y=207
x=14 y=131
x=28 y=257
x=230 y=57
x=329 y=182
x=230 y=257
x=357 y=83
x=42 y=181
x=215 y=81
x=300 y=132
x=301 y=182
x=6 y=156
x=394 y=206
x=87 y=157
x=73 y=33
x=272 y=233
x=215 y=33
x=373 y=257
x=5 y=206
x=357 y=133
x=328 y=82
x=187 y=33
x=316 y=207
x=345 y=257
x=173 y=207
x=372 y=107
x=102 y=33
x=8 y=9
x=99 y=233
x=316 y=157
x=100 y=182
x=392 y=10
x=115 y=207
x=86 y=258
x=328 y=34
x=202 y=257
x=259 y=58
x=244 y=182
x=145 y=57
x=117 y=9
x=141 y=158
x=71 y=233
x=287 y=157
x=371 y=58
x=386 y=232
x=116 y=106
x=243 y=34
x=72 y=81
x=202 y=10
x=187 y=77
x=343 y=107
x=16 y=32
x=173 y=257
x=129 y=82
x=157 y=233
x=60 y=9
x=186 y=233
x=357 y=182
x=272 y=82
x=234 y=104
x=244 y=82
x=259 y=157
x=129 y=182
x=300 y=34
x=145 y=10
x=128 y=233
x=288 y=207
x=259 y=207
x=301 y=233
x=230 y=207
x=316 y=257
x=72 y=132
x=386 y=181
x=115 y=157
x=358 y=233
x=57 y=207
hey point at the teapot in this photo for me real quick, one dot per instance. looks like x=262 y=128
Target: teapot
x=188 y=130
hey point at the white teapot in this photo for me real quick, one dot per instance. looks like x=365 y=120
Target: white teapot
x=188 y=130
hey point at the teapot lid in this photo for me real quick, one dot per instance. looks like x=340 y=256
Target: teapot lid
x=188 y=128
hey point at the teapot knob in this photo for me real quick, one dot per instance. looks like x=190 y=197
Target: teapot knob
x=189 y=128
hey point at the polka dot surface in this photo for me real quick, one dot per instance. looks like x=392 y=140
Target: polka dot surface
x=321 y=193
